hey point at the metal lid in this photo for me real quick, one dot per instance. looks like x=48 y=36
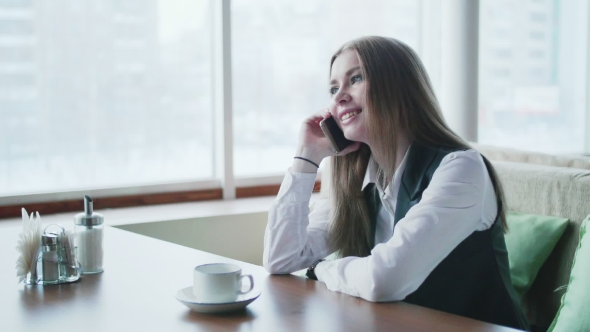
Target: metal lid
x=88 y=217
x=49 y=239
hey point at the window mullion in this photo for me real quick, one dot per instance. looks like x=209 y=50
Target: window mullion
x=222 y=89
x=459 y=66
x=586 y=89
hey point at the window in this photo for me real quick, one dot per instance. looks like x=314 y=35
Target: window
x=538 y=17
x=537 y=35
x=14 y=54
x=536 y=54
x=281 y=55
x=15 y=27
x=106 y=95
x=543 y=109
x=15 y=3
x=119 y=93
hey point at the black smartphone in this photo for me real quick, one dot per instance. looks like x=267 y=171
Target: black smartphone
x=334 y=135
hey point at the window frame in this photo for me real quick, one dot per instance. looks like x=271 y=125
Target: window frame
x=225 y=185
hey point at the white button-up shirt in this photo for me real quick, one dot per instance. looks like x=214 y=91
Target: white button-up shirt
x=459 y=200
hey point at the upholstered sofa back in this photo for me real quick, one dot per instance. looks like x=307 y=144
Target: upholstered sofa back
x=534 y=186
x=553 y=186
x=507 y=154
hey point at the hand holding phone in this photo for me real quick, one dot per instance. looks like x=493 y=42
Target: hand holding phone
x=334 y=135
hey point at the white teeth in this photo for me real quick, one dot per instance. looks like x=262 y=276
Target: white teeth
x=349 y=115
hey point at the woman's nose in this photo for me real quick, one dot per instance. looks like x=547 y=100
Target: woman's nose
x=342 y=97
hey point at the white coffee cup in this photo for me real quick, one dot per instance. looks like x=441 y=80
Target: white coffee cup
x=219 y=283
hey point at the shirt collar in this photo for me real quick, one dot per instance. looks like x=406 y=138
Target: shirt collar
x=371 y=174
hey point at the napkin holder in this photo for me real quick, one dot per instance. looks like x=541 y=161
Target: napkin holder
x=57 y=261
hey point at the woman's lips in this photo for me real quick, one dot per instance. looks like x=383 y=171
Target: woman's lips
x=349 y=116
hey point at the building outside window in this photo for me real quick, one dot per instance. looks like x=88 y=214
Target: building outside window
x=115 y=94
x=99 y=94
x=532 y=75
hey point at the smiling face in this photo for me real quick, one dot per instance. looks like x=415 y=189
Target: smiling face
x=348 y=91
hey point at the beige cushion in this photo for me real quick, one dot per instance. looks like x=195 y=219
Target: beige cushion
x=552 y=191
x=506 y=154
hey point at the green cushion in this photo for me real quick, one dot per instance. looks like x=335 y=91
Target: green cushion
x=529 y=241
x=573 y=312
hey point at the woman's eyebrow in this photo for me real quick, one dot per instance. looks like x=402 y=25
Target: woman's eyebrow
x=348 y=72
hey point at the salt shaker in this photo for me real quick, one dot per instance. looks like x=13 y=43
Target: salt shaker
x=89 y=233
x=49 y=258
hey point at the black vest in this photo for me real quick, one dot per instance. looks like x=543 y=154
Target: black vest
x=474 y=279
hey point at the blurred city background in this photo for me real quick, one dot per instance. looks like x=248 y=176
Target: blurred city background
x=99 y=94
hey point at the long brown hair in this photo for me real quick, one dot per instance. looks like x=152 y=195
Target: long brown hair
x=399 y=98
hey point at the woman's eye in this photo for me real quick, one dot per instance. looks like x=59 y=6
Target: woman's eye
x=333 y=90
x=356 y=78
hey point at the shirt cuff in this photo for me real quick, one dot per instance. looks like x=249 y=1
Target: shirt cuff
x=320 y=270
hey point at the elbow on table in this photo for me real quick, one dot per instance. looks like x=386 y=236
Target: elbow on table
x=382 y=293
x=382 y=297
x=273 y=267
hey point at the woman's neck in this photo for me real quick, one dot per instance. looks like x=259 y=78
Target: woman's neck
x=402 y=145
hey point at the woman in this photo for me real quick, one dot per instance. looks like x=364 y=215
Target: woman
x=415 y=214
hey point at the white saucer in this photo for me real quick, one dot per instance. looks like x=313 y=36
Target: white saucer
x=187 y=298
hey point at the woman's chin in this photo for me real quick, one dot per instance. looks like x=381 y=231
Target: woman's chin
x=355 y=137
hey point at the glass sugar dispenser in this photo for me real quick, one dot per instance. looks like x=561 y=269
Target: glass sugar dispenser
x=57 y=261
x=89 y=230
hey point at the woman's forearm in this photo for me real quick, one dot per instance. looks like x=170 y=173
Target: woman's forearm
x=294 y=239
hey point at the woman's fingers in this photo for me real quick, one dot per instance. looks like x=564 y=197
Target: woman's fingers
x=312 y=141
x=318 y=116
